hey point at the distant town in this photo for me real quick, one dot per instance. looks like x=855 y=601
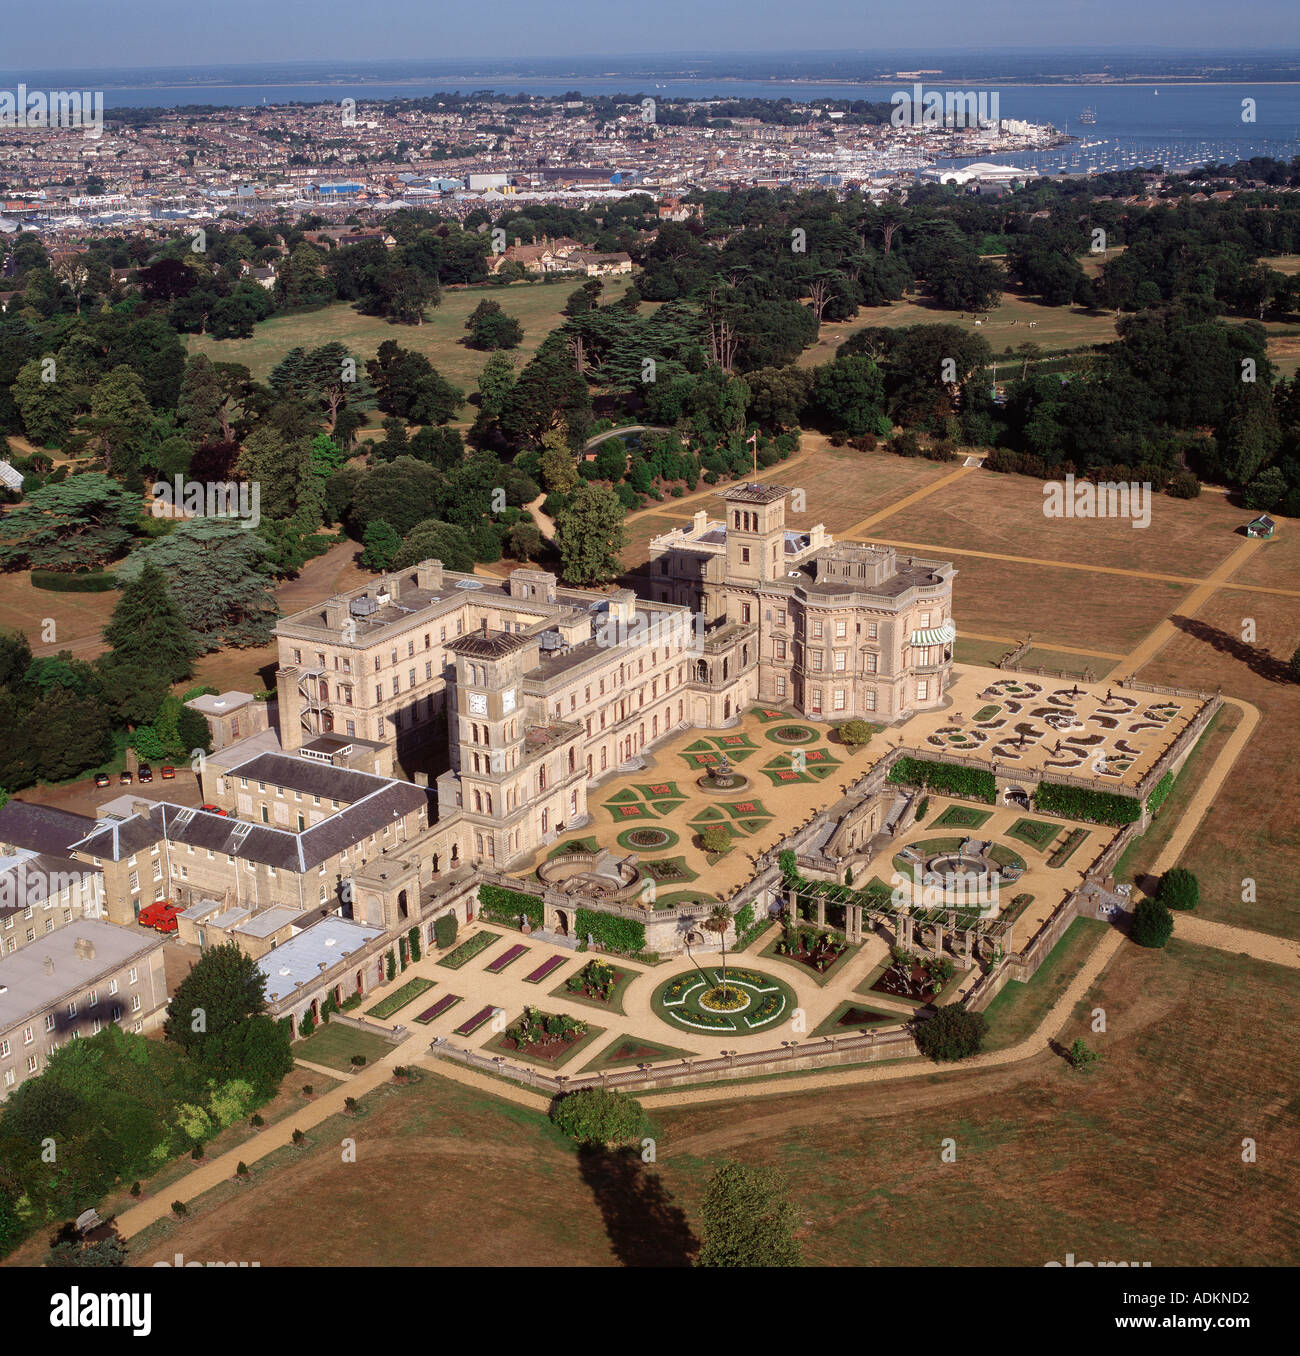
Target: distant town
x=461 y=154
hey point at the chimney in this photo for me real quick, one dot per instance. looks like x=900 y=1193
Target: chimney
x=84 y=948
x=701 y=520
x=141 y=807
x=485 y=626
x=336 y=612
x=429 y=574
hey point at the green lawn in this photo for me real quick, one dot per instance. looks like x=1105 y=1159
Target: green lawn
x=1018 y=1009
x=1034 y=832
x=536 y=306
x=962 y=817
x=397 y=1000
x=334 y=1045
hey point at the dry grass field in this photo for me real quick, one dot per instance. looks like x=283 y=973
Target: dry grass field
x=536 y=306
x=1048 y=1161
x=1003 y=514
x=1059 y=606
x=1252 y=831
x=1007 y=326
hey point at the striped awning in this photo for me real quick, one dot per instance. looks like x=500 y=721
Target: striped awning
x=934 y=636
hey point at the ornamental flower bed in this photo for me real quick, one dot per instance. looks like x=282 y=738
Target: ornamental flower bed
x=468 y=949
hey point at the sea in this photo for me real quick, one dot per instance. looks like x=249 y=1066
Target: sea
x=1116 y=126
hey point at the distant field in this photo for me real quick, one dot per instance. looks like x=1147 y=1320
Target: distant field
x=985 y=511
x=1005 y=327
x=1251 y=833
x=536 y=306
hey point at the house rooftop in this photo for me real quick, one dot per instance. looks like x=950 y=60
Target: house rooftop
x=301 y=959
x=28 y=985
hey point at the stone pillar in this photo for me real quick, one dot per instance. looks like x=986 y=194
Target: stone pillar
x=938 y=939
x=821 y=911
x=966 y=951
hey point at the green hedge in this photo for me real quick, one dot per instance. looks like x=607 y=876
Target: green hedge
x=948 y=778
x=1162 y=789
x=1097 y=807
x=499 y=905
x=54 y=582
x=610 y=931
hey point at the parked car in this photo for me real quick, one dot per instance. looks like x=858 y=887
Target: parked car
x=146 y=772
x=103 y=779
x=124 y=778
x=168 y=772
x=212 y=809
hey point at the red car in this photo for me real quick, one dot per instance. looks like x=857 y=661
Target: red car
x=146 y=772
x=160 y=916
x=213 y=809
x=168 y=772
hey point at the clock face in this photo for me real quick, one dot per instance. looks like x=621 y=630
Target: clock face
x=477 y=704
x=508 y=701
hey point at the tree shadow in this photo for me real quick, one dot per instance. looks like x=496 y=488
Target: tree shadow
x=1258 y=661
x=645 y=1227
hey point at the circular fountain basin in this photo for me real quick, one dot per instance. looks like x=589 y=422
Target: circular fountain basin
x=952 y=864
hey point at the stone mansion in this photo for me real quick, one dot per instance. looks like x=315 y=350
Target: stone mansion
x=501 y=701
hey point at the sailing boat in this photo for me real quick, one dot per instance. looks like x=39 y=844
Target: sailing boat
x=1089 y=116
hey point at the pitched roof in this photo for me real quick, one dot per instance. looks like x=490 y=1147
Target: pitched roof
x=43 y=828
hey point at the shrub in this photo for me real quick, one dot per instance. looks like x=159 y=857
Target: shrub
x=135 y=1188
x=1179 y=889
x=1152 y=924
x=357 y=1061
x=952 y=1033
x=256 y=1120
x=948 y=778
x=196 y=1153
x=626 y=935
x=922 y=809
x=241 y=1169
x=180 y=1209
x=307 y=1090
x=1184 y=485
x=390 y=964
x=413 y=943
x=298 y=1136
x=1098 y=807
x=349 y=1104
x=1160 y=794
x=715 y=838
x=855 y=732
x=499 y=905
x=1082 y=1056
x=444 y=930
x=73 y=583
x=598 y=1116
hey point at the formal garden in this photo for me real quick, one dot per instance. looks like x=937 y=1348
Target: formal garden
x=720 y=1001
x=550 y=1038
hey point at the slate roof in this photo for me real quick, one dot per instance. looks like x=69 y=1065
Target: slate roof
x=43 y=828
x=309 y=776
x=281 y=848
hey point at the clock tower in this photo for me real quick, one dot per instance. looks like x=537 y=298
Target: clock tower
x=487 y=734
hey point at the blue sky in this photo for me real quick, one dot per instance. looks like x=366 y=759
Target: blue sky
x=92 y=33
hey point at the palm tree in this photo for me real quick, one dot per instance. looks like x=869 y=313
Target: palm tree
x=719 y=920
